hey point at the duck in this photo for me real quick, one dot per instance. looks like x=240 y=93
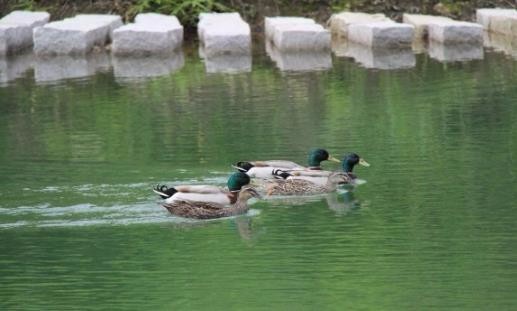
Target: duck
x=212 y=210
x=205 y=193
x=320 y=176
x=303 y=186
x=264 y=169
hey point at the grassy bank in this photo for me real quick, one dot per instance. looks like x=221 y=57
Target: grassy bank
x=254 y=11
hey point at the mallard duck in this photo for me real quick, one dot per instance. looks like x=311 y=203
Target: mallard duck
x=305 y=187
x=209 y=210
x=264 y=169
x=320 y=177
x=205 y=193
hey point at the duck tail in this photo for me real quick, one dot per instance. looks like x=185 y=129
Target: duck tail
x=164 y=192
x=280 y=174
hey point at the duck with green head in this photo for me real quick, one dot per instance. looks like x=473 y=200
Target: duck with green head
x=205 y=193
x=320 y=177
x=210 y=210
x=264 y=169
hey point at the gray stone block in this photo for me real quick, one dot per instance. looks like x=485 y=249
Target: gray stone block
x=150 y=34
x=271 y=22
x=340 y=22
x=484 y=16
x=456 y=32
x=382 y=34
x=301 y=37
x=16 y=30
x=224 y=33
x=455 y=52
x=421 y=23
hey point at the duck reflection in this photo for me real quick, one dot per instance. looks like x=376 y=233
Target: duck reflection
x=147 y=67
x=55 y=68
x=342 y=202
x=299 y=60
x=455 y=52
x=15 y=66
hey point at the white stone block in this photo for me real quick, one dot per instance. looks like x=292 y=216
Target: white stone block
x=271 y=22
x=421 y=23
x=147 y=67
x=384 y=58
x=74 y=36
x=506 y=25
x=16 y=30
x=340 y=22
x=50 y=69
x=484 y=16
x=300 y=60
x=301 y=37
x=150 y=34
x=224 y=33
x=381 y=34
x=456 y=32
x=455 y=52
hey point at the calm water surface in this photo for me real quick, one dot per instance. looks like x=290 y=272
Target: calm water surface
x=433 y=228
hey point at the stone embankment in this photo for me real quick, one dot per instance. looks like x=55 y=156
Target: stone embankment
x=293 y=43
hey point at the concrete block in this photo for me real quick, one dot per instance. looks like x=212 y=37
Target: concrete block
x=456 y=32
x=340 y=22
x=455 y=52
x=224 y=33
x=301 y=37
x=55 y=68
x=484 y=16
x=506 y=25
x=74 y=36
x=421 y=23
x=381 y=34
x=16 y=30
x=130 y=68
x=271 y=22
x=300 y=60
x=150 y=34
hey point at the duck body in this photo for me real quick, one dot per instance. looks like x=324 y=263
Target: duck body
x=211 y=210
x=205 y=193
x=303 y=186
x=265 y=169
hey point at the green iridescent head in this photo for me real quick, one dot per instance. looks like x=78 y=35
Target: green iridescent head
x=237 y=180
x=351 y=160
x=316 y=156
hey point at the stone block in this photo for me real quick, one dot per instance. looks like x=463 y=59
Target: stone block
x=340 y=22
x=421 y=23
x=484 y=16
x=16 y=30
x=456 y=32
x=506 y=25
x=271 y=22
x=455 y=52
x=74 y=36
x=381 y=34
x=301 y=37
x=150 y=34
x=224 y=33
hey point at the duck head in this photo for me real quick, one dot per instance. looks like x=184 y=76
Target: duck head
x=243 y=166
x=237 y=180
x=351 y=160
x=316 y=156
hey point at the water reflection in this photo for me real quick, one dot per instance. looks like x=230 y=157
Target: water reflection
x=342 y=202
x=455 y=52
x=226 y=63
x=55 y=68
x=503 y=43
x=13 y=67
x=147 y=67
x=300 y=60
x=376 y=58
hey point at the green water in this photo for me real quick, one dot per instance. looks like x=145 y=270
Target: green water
x=434 y=227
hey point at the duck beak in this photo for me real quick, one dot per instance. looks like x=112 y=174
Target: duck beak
x=363 y=163
x=331 y=158
x=240 y=169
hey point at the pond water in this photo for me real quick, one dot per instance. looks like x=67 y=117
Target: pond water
x=434 y=226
